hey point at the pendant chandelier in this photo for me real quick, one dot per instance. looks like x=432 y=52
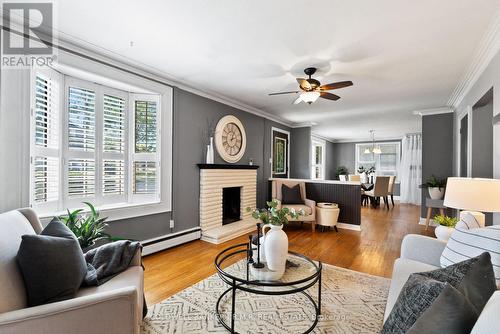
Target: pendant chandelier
x=375 y=150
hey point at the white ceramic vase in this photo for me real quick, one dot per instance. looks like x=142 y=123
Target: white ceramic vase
x=211 y=150
x=436 y=193
x=363 y=177
x=443 y=233
x=209 y=159
x=275 y=247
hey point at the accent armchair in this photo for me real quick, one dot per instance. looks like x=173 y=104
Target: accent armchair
x=114 y=307
x=309 y=206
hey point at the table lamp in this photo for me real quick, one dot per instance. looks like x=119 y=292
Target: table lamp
x=473 y=195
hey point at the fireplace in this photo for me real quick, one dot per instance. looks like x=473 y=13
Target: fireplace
x=231 y=204
x=225 y=192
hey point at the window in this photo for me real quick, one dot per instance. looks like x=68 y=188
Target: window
x=318 y=159
x=92 y=143
x=385 y=163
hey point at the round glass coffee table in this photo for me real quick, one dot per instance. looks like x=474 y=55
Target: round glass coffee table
x=235 y=267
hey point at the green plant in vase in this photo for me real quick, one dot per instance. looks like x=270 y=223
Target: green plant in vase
x=274 y=216
x=274 y=243
x=435 y=186
x=88 y=228
x=446 y=226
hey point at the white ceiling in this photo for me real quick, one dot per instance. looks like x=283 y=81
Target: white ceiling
x=401 y=55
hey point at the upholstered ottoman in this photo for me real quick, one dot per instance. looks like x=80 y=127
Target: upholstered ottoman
x=327 y=215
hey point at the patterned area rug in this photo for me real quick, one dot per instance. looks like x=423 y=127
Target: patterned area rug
x=352 y=302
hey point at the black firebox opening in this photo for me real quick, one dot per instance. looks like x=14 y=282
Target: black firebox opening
x=231 y=205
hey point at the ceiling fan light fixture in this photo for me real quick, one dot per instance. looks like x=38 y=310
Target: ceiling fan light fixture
x=377 y=150
x=309 y=97
x=367 y=151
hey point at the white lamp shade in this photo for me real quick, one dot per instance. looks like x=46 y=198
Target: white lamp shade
x=473 y=194
x=309 y=97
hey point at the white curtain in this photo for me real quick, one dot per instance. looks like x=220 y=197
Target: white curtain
x=411 y=169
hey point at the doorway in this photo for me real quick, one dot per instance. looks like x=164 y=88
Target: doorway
x=464 y=141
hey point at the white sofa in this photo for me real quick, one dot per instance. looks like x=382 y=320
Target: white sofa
x=114 y=307
x=420 y=253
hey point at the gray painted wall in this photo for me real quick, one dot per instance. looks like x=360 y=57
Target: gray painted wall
x=330 y=161
x=192 y=116
x=345 y=155
x=482 y=141
x=300 y=160
x=490 y=78
x=437 y=150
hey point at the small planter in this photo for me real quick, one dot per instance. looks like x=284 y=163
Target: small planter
x=443 y=233
x=436 y=193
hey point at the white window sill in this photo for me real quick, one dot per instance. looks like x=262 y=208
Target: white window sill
x=117 y=212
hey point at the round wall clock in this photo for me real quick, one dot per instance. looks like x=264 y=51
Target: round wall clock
x=230 y=139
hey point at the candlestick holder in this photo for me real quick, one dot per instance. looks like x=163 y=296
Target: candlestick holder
x=258 y=264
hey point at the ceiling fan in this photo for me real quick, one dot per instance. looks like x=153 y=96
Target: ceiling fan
x=311 y=88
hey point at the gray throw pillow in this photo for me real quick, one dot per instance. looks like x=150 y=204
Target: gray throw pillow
x=451 y=312
x=52 y=264
x=291 y=195
x=473 y=279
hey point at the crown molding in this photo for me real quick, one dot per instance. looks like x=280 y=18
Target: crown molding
x=322 y=137
x=433 y=111
x=81 y=47
x=486 y=50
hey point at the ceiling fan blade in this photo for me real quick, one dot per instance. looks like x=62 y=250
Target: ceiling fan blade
x=304 y=84
x=298 y=100
x=329 y=96
x=336 y=85
x=281 y=93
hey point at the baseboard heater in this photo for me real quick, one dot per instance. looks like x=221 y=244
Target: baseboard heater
x=154 y=245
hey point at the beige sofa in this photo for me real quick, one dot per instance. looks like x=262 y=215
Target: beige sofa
x=309 y=206
x=114 y=307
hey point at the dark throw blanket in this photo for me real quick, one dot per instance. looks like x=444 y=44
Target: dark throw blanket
x=108 y=260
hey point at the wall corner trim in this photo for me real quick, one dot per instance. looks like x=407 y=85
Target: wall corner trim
x=434 y=111
x=487 y=48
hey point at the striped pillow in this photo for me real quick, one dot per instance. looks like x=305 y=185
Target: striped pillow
x=467 y=243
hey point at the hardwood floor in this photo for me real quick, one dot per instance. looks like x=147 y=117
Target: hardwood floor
x=373 y=250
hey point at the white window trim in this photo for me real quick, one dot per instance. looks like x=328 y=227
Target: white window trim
x=377 y=162
x=322 y=143
x=165 y=114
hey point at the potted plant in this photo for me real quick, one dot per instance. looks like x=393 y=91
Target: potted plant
x=341 y=170
x=88 y=228
x=435 y=187
x=275 y=240
x=446 y=226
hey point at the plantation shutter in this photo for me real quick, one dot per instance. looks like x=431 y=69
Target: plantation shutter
x=145 y=149
x=46 y=140
x=114 y=172
x=81 y=178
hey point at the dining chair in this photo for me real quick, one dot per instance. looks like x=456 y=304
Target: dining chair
x=380 y=190
x=354 y=177
x=390 y=190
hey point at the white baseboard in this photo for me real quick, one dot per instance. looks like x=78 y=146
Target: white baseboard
x=422 y=222
x=169 y=240
x=349 y=226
